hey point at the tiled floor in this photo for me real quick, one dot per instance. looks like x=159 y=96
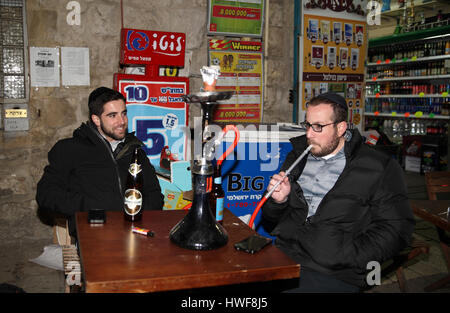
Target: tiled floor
x=17 y=270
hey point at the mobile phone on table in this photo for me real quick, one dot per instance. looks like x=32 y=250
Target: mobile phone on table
x=253 y=244
x=96 y=216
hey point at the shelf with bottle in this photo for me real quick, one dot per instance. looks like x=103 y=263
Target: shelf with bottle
x=407 y=89
x=407 y=60
x=416 y=71
x=396 y=129
x=431 y=108
x=422 y=50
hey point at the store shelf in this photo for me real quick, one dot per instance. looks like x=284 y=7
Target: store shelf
x=396 y=11
x=417 y=35
x=408 y=78
x=435 y=95
x=402 y=115
x=394 y=62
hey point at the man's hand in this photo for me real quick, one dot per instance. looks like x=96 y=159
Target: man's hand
x=280 y=193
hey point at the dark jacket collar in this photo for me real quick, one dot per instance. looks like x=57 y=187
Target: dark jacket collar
x=89 y=131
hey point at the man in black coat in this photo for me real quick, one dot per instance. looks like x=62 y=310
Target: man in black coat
x=89 y=170
x=342 y=207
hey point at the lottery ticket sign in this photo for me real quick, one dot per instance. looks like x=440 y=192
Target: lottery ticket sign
x=242 y=17
x=157 y=113
x=241 y=69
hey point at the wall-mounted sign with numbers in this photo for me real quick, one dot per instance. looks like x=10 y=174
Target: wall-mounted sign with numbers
x=241 y=18
x=157 y=113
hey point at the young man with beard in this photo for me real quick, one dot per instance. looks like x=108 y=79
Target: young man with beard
x=343 y=206
x=89 y=170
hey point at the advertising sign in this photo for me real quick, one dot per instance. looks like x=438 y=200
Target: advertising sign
x=333 y=60
x=242 y=17
x=148 y=47
x=158 y=115
x=246 y=173
x=241 y=71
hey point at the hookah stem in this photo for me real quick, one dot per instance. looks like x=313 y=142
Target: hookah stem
x=227 y=152
x=267 y=195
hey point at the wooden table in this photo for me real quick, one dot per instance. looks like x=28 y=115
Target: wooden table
x=435 y=211
x=114 y=259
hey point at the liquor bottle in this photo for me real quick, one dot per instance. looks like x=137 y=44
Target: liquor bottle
x=132 y=209
x=217 y=196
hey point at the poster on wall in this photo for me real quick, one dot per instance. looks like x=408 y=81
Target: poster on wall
x=44 y=67
x=332 y=55
x=241 y=71
x=240 y=18
x=158 y=115
x=75 y=66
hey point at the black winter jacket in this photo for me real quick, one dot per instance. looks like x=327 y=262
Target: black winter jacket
x=365 y=216
x=82 y=174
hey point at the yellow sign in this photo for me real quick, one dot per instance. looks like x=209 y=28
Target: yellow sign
x=15 y=113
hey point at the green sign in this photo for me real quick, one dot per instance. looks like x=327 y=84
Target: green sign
x=242 y=17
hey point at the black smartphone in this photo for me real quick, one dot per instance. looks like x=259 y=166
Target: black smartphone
x=96 y=216
x=252 y=244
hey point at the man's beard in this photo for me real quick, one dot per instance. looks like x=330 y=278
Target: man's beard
x=326 y=150
x=111 y=133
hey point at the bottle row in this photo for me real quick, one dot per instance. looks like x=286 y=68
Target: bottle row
x=418 y=69
x=436 y=106
x=410 y=49
x=405 y=88
x=395 y=129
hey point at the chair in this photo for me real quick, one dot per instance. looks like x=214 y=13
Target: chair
x=415 y=248
x=439 y=183
x=71 y=260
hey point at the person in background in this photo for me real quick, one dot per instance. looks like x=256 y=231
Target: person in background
x=343 y=206
x=89 y=170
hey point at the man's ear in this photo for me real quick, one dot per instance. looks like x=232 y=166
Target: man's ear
x=342 y=127
x=96 y=120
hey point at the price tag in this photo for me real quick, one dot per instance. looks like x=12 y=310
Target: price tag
x=393 y=113
x=377 y=95
x=376 y=113
x=414 y=58
x=374 y=78
x=421 y=94
x=405 y=59
x=418 y=114
x=431 y=115
x=407 y=114
x=445 y=94
x=387 y=61
x=394 y=60
x=379 y=62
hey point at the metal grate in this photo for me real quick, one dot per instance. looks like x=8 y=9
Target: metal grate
x=12 y=50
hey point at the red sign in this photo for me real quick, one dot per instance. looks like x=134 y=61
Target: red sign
x=147 y=47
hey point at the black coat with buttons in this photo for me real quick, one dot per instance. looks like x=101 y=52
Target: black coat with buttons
x=365 y=217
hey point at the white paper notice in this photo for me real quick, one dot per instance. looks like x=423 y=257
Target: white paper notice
x=44 y=67
x=75 y=66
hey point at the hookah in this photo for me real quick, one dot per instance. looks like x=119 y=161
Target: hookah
x=198 y=230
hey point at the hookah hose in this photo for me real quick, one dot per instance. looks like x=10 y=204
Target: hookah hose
x=227 y=152
x=267 y=195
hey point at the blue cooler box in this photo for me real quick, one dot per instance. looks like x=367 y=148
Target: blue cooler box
x=246 y=172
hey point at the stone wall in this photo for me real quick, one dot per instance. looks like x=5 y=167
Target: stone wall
x=55 y=112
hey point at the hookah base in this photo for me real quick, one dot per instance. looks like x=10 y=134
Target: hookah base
x=208 y=236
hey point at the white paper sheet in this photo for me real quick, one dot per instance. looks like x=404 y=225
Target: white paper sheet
x=75 y=66
x=44 y=67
